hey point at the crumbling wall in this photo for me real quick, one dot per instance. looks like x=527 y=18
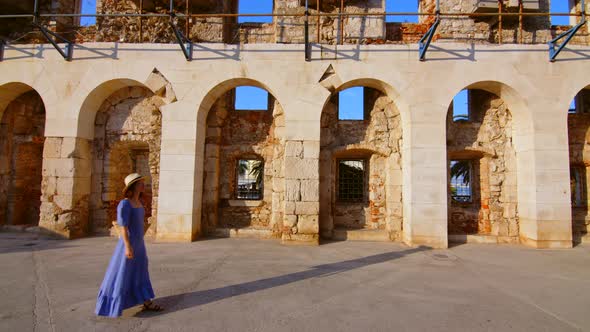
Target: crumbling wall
x=234 y=135
x=378 y=140
x=21 y=160
x=127 y=140
x=486 y=139
x=357 y=29
x=157 y=29
x=579 y=151
x=20 y=29
x=536 y=29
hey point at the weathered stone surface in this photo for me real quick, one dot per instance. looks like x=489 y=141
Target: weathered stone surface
x=310 y=190
x=127 y=131
x=308 y=224
x=486 y=140
x=579 y=152
x=303 y=208
x=233 y=135
x=376 y=141
x=21 y=159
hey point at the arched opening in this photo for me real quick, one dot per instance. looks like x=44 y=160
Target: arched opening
x=243 y=178
x=482 y=191
x=579 y=152
x=22 y=129
x=360 y=165
x=127 y=135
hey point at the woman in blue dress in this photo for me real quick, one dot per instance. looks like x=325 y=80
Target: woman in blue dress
x=127 y=281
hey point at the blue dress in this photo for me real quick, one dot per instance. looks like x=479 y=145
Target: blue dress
x=127 y=281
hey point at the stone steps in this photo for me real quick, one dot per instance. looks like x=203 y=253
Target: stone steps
x=482 y=239
x=244 y=233
x=360 y=235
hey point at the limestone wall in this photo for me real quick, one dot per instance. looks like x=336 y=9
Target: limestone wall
x=377 y=140
x=238 y=134
x=486 y=140
x=21 y=28
x=157 y=29
x=127 y=140
x=21 y=156
x=579 y=151
x=73 y=92
x=65 y=187
x=536 y=29
x=356 y=29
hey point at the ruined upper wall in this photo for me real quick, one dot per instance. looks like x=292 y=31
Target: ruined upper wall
x=353 y=29
x=21 y=28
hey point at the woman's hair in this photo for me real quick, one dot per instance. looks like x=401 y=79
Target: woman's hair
x=129 y=192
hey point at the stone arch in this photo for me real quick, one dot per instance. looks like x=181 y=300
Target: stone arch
x=22 y=141
x=119 y=128
x=228 y=134
x=376 y=145
x=579 y=159
x=485 y=145
x=155 y=82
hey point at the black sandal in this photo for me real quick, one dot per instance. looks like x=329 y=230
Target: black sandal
x=151 y=306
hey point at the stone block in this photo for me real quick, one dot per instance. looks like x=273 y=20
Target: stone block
x=292 y=190
x=310 y=190
x=77 y=148
x=311 y=149
x=290 y=207
x=294 y=149
x=308 y=224
x=307 y=208
x=290 y=220
x=52 y=147
x=296 y=168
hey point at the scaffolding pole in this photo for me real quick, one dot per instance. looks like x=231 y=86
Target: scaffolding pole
x=187 y=46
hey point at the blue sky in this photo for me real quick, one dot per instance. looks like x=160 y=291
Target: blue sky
x=251 y=98
x=88 y=7
x=255 y=7
x=351 y=104
x=265 y=6
x=460 y=106
x=560 y=6
x=401 y=6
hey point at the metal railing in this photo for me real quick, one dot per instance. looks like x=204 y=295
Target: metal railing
x=186 y=44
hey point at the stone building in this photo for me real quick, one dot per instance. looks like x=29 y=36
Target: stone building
x=485 y=141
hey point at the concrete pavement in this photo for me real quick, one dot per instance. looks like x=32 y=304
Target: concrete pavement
x=257 y=285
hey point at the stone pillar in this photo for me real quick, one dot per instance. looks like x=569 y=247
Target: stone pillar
x=544 y=205
x=181 y=173
x=425 y=177
x=65 y=188
x=302 y=180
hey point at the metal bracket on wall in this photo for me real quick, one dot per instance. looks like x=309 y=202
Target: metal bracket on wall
x=48 y=34
x=68 y=53
x=427 y=39
x=185 y=44
x=568 y=35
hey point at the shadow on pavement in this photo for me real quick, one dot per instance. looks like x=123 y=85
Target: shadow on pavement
x=183 y=301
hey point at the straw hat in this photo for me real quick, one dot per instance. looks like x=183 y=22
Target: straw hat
x=131 y=179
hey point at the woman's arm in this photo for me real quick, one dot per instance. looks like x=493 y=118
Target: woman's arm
x=128 y=248
x=123 y=217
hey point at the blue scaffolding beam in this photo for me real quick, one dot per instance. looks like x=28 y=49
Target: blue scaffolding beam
x=554 y=47
x=52 y=37
x=185 y=44
x=427 y=38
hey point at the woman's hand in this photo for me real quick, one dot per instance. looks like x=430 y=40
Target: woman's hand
x=128 y=252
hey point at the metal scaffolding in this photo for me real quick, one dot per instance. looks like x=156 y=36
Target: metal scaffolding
x=186 y=45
